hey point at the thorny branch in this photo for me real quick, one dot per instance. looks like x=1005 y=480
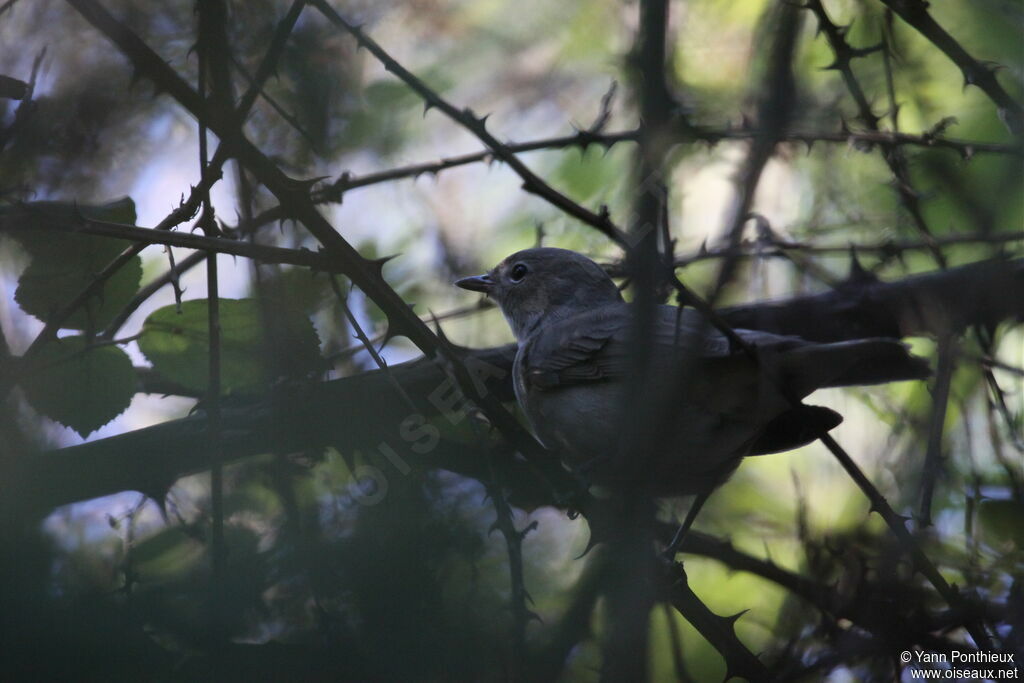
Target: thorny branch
x=894 y=157
x=478 y=126
x=583 y=139
x=915 y=13
x=38 y=219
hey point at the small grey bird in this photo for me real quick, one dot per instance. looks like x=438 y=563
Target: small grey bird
x=714 y=404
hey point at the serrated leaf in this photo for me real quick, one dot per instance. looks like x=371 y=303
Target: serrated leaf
x=78 y=385
x=64 y=264
x=52 y=280
x=254 y=351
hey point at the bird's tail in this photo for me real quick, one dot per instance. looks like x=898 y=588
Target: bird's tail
x=850 y=363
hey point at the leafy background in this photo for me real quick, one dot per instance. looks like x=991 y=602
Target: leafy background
x=417 y=587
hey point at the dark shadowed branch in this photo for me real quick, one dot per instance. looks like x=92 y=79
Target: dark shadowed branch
x=915 y=13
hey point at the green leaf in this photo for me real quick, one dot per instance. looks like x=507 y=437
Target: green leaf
x=1003 y=520
x=254 y=350
x=80 y=386
x=63 y=265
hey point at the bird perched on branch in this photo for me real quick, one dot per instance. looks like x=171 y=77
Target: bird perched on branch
x=706 y=400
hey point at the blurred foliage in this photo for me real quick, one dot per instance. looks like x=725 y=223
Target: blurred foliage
x=336 y=575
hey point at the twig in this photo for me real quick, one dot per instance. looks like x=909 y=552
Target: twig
x=148 y=236
x=896 y=524
x=719 y=631
x=583 y=139
x=777 y=247
x=940 y=400
x=147 y=291
x=455 y=313
x=289 y=118
x=368 y=345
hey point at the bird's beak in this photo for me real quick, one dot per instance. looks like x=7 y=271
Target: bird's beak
x=477 y=283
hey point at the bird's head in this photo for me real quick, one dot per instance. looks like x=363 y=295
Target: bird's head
x=537 y=285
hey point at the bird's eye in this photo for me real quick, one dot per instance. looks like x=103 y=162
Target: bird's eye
x=518 y=272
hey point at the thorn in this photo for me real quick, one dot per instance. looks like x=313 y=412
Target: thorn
x=377 y=264
x=441 y=336
x=390 y=333
x=732 y=619
x=533 y=616
x=532 y=526
x=158 y=494
x=494 y=527
x=858 y=274
x=939 y=128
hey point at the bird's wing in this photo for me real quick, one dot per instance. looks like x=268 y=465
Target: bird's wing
x=597 y=345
